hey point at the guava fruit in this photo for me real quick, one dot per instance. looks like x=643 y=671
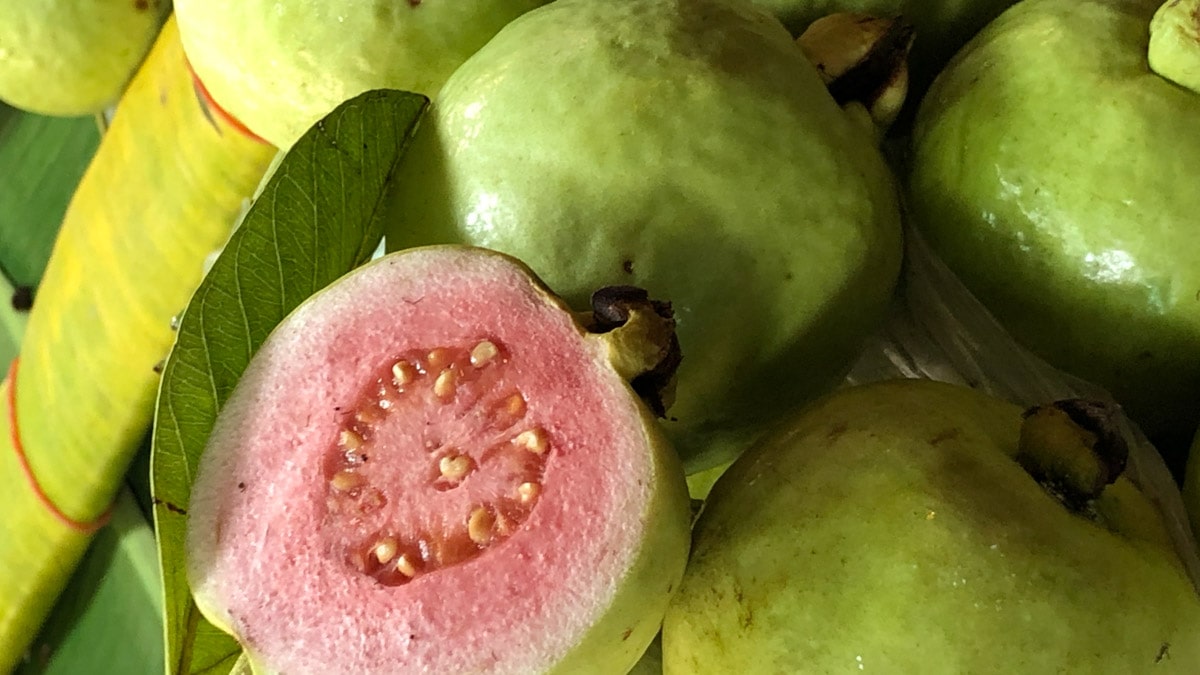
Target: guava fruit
x=73 y=57
x=1053 y=171
x=432 y=466
x=942 y=26
x=278 y=67
x=686 y=147
x=898 y=527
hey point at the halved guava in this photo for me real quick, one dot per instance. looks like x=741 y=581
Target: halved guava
x=431 y=466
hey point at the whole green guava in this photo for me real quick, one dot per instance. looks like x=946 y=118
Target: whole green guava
x=893 y=528
x=685 y=147
x=73 y=57
x=1054 y=171
x=942 y=26
x=278 y=67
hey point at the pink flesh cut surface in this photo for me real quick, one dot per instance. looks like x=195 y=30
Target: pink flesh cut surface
x=262 y=550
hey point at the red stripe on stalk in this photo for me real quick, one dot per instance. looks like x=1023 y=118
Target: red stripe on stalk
x=84 y=527
x=215 y=107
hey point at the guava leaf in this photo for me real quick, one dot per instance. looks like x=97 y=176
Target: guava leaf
x=316 y=218
x=41 y=161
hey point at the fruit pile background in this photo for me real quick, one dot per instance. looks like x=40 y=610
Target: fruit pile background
x=111 y=612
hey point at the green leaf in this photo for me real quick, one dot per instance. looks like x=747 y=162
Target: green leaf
x=41 y=161
x=109 y=618
x=316 y=219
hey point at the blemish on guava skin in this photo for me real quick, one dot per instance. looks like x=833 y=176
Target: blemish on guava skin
x=141 y=5
x=627 y=265
x=835 y=432
x=242 y=487
x=945 y=435
x=625 y=635
x=1164 y=652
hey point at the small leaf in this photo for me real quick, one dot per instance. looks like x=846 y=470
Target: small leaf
x=316 y=219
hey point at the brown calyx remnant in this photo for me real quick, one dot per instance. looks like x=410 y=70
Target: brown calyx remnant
x=1074 y=448
x=862 y=58
x=645 y=340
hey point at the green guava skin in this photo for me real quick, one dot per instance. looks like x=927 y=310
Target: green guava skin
x=73 y=57
x=888 y=528
x=685 y=147
x=278 y=67
x=942 y=26
x=1054 y=172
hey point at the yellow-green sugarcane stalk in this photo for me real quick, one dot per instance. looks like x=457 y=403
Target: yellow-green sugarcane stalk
x=163 y=191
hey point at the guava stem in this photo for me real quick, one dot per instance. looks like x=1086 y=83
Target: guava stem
x=1074 y=448
x=1175 y=43
x=14 y=432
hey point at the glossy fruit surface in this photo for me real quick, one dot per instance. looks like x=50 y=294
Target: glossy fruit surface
x=1052 y=170
x=685 y=147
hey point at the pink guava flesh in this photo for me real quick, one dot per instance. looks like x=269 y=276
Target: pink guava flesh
x=427 y=467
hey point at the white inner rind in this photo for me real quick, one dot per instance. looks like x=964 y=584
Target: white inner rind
x=256 y=560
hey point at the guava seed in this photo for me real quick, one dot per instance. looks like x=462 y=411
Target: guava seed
x=403 y=372
x=483 y=353
x=527 y=492
x=479 y=526
x=533 y=440
x=445 y=384
x=348 y=440
x=346 y=480
x=385 y=550
x=405 y=566
x=454 y=467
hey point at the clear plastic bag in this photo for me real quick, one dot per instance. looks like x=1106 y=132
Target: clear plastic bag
x=938 y=330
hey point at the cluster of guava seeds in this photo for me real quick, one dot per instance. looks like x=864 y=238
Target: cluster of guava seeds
x=432 y=390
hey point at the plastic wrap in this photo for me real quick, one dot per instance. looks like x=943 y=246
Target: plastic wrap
x=938 y=330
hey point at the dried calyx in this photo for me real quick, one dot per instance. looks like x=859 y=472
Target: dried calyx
x=642 y=343
x=1074 y=448
x=863 y=60
x=1175 y=43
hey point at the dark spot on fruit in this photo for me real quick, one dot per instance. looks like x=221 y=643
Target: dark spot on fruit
x=414 y=3
x=141 y=5
x=242 y=486
x=627 y=265
x=835 y=432
x=170 y=507
x=158 y=367
x=1145 y=355
x=625 y=635
x=1164 y=652
x=22 y=298
x=945 y=435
